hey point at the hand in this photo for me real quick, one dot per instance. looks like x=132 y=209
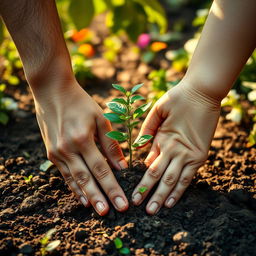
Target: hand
x=70 y=121
x=183 y=122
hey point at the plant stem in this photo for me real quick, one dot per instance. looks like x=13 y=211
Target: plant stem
x=129 y=134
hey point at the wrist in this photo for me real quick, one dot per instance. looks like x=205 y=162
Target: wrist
x=55 y=76
x=200 y=94
x=207 y=86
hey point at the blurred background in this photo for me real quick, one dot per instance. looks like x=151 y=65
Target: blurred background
x=129 y=42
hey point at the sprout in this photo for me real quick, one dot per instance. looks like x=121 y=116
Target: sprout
x=124 y=113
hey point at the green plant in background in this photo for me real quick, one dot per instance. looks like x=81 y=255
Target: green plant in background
x=159 y=84
x=6 y=105
x=125 y=113
x=46 y=245
x=11 y=62
x=119 y=12
x=119 y=246
x=233 y=100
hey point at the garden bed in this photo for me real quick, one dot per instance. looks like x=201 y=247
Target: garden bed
x=216 y=215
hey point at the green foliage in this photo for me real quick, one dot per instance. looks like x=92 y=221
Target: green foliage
x=159 y=83
x=81 y=12
x=125 y=113
x=28 y=179
x=130 y=16
x=143 y=189
x=119 y=246
x=46 y=245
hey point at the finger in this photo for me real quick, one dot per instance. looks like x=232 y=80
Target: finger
x=150 y=178
x=87 y=184
x=151 y=123
x=166 y=185
x=72 y=184
x=110 y=147
x=103 y=174
x=153 y=154
x=182 y=184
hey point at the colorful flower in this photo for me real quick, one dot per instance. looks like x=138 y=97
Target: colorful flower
x=143 y=40
x=81 y=35
x=87 y=50
x=158 y=46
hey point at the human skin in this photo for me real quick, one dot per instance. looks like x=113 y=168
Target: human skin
x=185 y=118
x=69 y=119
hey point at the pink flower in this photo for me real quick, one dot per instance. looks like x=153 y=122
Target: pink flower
x=143 y=40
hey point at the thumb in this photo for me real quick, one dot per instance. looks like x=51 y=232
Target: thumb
x=152 y=122
x=110 y=147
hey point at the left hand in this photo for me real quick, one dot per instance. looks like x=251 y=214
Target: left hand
x=183 y=122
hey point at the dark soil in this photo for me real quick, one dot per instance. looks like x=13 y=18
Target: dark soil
x=216 y=216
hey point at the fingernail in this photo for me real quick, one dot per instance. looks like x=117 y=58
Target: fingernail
x=153 y=208
x=137 y=198
x=119 y=202
x=170 y=202
x=84 y=200
x=100 y=207
x=123 y=164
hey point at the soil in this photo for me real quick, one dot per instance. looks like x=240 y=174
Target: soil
x=216 y=215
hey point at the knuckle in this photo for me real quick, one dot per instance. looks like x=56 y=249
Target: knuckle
x=82 y=179
x=80 y=139
x=113 y=147
x=51 y=155
x=100 y=172
x=154 y=173
x=185 y=181
x=68 y=180
x=169 y=180
x=62 y=148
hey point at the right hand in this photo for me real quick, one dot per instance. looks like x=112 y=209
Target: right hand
x=70 y=121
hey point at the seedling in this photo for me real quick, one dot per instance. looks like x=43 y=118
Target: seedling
x=125 y=113
x=28 y=179
x=46 y=245
x=119 y=246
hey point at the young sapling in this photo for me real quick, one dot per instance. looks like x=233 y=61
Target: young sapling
x=46 y=245
x=28 y=179
x=125 y=113
x=119 y=246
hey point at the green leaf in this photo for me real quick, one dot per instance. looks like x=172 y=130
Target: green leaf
x=143 y=190
x=119 y=88
x=81 y=12
x=120 y=100
x=52 y=245
x=132 y=125
x=141 y=110
x=118 y=243
x=124 y=250
x=142 y=140
x=117 y=107
x=136 y=88
x=119 y=136
x=136 y=97
x=155 y=13
x=4 y=118
x=114 y=118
